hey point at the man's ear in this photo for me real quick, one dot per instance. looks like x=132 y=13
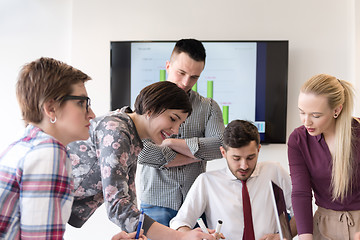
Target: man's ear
x=223 y=151
x=167 y=66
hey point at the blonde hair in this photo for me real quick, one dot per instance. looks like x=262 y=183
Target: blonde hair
x=338 y=92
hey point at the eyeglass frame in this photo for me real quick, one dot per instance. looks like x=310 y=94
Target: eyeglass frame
x=73 y=97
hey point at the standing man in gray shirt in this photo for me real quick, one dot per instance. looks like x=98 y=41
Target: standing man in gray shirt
x=169 y=170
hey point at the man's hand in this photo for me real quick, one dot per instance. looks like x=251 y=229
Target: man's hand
x=357 y=236
x=198 y=235
x=181 y=160
x=216 y=235
x=270 y=236
x=178 y=145
x=219 y=236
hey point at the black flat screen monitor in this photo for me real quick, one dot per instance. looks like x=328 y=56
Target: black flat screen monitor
x=248 y=79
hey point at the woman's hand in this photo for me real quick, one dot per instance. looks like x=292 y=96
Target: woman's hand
x=124 y=235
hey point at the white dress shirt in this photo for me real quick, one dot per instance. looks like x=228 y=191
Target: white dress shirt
x=218 y=194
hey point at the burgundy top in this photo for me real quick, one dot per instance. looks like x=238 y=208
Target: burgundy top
x=310 y=169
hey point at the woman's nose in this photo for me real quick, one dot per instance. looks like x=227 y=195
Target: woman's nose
x=307 y=121
x=91 y=114
x=174 y=130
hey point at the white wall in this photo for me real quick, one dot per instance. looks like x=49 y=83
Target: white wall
x=28 y=30
x=323 y=36
x=357 y=55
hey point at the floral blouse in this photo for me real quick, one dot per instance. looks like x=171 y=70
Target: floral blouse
x=104 y=170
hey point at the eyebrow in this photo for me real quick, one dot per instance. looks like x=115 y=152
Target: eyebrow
x=250 y=155
x=80 y=94
x=311 y=112
x=197 y=76
x=177 y=116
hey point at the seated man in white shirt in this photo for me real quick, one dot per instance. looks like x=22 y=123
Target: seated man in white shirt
x=219 y=193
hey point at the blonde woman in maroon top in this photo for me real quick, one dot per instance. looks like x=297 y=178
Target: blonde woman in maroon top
x=324 y=155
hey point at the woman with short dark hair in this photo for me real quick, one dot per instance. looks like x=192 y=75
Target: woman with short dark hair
x=104 y=167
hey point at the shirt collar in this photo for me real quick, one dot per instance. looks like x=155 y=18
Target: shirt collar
x=256 y=171
x=319 y=137
x=35 y=133
x=32 y=131
x=124 y=110
x=229 y=173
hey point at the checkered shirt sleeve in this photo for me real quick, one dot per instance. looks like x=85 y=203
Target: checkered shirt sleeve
x=35 y=188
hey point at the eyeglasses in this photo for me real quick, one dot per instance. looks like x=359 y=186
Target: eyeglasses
x=72 y=97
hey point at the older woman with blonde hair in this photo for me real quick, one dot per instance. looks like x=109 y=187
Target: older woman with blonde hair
x=324 y=155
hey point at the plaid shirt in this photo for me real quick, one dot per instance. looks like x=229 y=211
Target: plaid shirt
x=35 y=188
x=202 y=131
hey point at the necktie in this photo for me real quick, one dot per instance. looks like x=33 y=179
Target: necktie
x=248 y=223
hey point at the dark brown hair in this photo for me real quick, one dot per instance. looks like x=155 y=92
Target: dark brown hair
x=160 y=96
x=194 y=48
x=239 y=133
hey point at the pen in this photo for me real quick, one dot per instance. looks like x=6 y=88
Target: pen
x=139 y=227
x=202 y=225
x=218 y=226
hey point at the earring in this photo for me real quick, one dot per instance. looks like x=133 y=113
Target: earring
x=53 y=121
x=335 y=115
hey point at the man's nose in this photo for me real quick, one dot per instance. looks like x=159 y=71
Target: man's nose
x=243 y=164
x=186 y=80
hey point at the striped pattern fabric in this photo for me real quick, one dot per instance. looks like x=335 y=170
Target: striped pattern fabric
x=202 y=131
x=35 y=188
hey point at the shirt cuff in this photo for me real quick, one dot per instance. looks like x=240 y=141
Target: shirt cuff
x=148 y=221
x=168 y=154
x=178 y=224
x=193 y=144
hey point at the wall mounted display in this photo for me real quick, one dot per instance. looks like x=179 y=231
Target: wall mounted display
x=248 y=79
